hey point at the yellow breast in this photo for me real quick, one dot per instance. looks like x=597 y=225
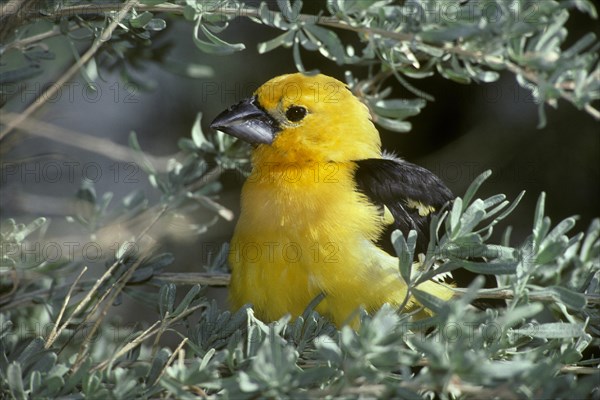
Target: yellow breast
x=304 y=230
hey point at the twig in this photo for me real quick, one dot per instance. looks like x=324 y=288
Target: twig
x=12 y=14
x=576 y=369
x=114 y=291
x=595 y=113
x=53 y=90
x=181 y=278
x=195 y=278
x=56 y=331
x=178 y=350
x=26 y=298
x=24 y=43
x=222 y=280
x=30 y=297
x=129 y=346
x=331 y=22
x=163 y=210
x=505 y=294
x=88 y=297
x=104 y=147
x=152 y=330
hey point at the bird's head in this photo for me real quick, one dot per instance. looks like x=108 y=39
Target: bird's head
x=299 y=118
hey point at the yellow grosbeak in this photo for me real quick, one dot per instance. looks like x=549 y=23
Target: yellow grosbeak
x=317 y=204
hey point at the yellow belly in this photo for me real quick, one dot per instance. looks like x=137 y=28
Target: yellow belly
x=295 y=240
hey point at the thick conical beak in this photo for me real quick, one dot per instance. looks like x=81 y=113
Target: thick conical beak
x=247 y=121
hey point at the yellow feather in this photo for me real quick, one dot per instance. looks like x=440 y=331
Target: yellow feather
x=303 y=228
x=423 y=209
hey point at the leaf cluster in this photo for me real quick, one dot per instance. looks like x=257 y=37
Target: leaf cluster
x=462 y=41
x=541 y=344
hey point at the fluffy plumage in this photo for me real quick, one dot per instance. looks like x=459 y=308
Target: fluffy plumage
x=318 y=201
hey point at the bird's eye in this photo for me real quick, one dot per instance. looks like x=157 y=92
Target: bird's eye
x=295 y=113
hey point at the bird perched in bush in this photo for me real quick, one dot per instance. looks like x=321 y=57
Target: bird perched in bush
x=319 y=201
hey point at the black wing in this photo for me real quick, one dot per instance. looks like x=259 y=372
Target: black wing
x=411 y=193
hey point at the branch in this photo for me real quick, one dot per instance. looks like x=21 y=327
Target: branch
x=103 y=147
x=222 y=280
x=151 y=331
x=56 y=330
x=507 y=294
x=24 y=43
x=530 y=76
x=212 y=279
x=12 y=14
x=193 y=278
x=51 y=92
x=332 y=22
x=180 y=278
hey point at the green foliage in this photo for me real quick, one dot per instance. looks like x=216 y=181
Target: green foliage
x=537 y=342
x=60 y=339
x=462 y=41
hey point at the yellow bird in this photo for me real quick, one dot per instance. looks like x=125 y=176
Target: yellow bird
x=317 y=204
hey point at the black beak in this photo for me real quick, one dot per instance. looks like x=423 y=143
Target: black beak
x=246 y=120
